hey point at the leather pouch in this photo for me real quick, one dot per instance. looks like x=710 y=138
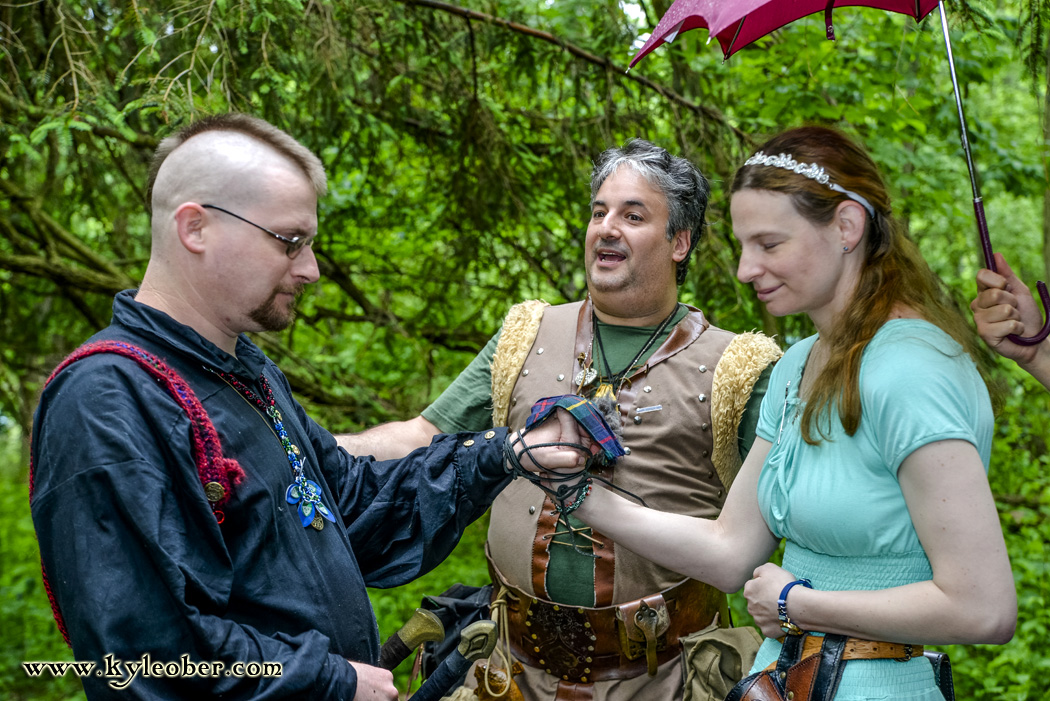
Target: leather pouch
x=942 y=673
x=815 y=678
x=643 y=626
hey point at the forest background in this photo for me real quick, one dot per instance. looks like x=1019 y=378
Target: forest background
x=458 y=140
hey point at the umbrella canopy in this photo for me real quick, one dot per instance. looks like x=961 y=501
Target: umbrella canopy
x=737 y=23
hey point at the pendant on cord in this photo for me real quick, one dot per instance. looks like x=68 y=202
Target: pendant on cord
x=307 y=494
x=303 y=492
x=585 y=377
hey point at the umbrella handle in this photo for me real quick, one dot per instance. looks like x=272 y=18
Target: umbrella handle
x=989 y=261
x=978 y=204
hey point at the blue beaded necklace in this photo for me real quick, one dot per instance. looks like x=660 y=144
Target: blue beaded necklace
x=303 y=493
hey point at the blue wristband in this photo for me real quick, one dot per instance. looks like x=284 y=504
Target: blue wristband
x=786 y=624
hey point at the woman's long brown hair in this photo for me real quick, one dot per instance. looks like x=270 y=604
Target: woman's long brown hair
x=894 y=270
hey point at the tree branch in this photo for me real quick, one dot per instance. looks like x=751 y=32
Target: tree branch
x=304 y=380
x=64 y=274
x=145 y=141
x=466 y=341
x=335 y=274
x=707 y=112
x=75 y=245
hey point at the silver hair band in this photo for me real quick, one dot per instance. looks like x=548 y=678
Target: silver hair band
x=809 y=170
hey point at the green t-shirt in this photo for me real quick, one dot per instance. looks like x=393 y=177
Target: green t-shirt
x=466 y=405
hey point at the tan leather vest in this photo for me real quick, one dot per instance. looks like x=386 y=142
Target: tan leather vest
x=667 y=429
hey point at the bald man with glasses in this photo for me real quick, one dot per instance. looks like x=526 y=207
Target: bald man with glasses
x=188 y=510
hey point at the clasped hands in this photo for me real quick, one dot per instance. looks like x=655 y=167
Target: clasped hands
x=558 y=445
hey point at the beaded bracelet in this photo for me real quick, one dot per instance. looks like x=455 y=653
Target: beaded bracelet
x=582 y=494
x=786 y=624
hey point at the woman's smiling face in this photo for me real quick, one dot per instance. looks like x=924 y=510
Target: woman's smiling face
x=793 y=264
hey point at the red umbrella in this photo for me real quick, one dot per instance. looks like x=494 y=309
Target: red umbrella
x=737 y=23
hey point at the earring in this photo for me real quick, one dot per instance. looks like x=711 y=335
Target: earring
x=845 y=249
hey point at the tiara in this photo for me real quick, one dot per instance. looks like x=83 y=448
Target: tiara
x=808 y=170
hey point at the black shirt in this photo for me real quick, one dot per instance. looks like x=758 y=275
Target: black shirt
x=138 y=564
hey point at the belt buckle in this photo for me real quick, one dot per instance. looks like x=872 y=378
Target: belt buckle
x=643 y=626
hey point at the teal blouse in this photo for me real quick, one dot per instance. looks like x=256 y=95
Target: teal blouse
x=839 y=504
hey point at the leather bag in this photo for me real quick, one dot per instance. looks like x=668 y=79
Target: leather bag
x=815 y=678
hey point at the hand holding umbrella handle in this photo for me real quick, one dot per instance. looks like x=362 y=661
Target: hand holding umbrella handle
x=978 y=202
x=989 y=262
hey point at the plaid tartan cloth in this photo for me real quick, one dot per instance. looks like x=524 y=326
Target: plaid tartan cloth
x=586 y=414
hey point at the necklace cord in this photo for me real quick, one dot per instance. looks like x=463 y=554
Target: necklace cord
x=618 y=378
x=305 y=494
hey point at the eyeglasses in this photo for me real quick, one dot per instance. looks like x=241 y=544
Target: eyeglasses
x=293 y=245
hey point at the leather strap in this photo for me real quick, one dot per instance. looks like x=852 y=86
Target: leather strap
x=829 y=670
x=546 y=524
x=569 y=691
x=604 y=569
x=942 y=672
x=858 y=649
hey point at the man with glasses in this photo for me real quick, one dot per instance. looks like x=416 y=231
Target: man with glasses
x=188 y=510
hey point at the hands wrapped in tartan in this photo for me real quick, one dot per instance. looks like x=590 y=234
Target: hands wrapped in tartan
x=591 y=428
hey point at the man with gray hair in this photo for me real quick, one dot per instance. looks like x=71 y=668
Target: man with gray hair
x=200 y=535
x=579 y=608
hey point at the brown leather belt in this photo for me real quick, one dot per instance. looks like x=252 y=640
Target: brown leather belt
x=584 y=645
x=859 y=649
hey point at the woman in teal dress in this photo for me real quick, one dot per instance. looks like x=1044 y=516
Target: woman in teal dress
x=874 y=436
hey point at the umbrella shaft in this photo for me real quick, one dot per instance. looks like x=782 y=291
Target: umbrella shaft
x=959 y=106
x=982 y=230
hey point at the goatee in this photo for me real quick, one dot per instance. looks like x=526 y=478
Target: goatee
x=272 y=317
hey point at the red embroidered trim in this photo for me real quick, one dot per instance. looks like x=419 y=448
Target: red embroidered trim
x=212 y=465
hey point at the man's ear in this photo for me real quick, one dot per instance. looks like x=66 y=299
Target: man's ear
x=680 y=245
x=850 y=217
x=189 y=224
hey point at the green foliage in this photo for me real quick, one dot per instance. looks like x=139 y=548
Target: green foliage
x=25 y=614
x=1019 y=479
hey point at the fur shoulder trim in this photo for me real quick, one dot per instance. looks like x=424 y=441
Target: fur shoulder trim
x=520 y=327
x=743 y=361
